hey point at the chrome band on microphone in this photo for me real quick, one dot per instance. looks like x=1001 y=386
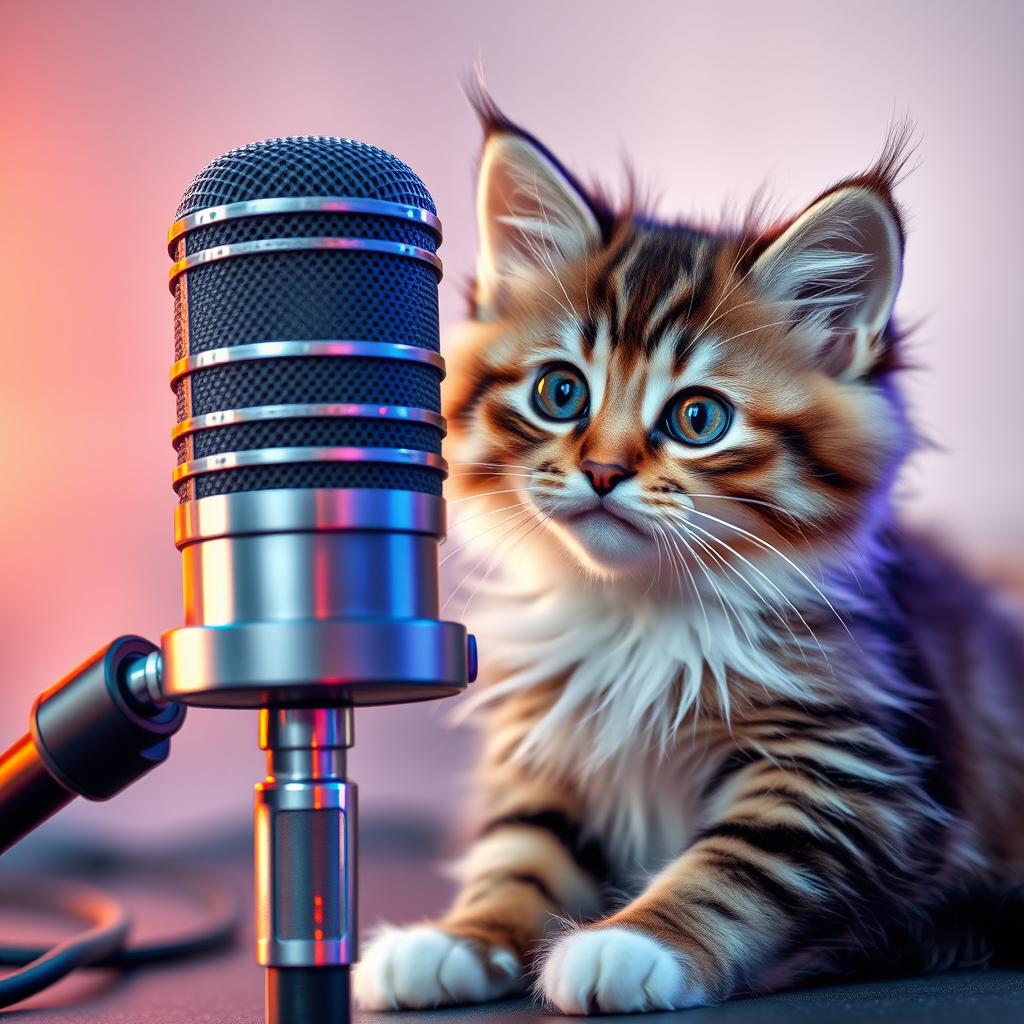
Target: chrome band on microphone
x=262 y=246
x=310 y=510
x=263 y=413
x=300 y=204
x=257 y=350
x=284 y=456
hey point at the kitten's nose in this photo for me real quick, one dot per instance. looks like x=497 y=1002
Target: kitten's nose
x=604 y=476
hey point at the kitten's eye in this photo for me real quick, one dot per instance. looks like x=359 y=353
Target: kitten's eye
x=561 y=393
x=697 y=418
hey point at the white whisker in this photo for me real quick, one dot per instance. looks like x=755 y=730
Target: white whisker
x=767 y=579
x=771 y=547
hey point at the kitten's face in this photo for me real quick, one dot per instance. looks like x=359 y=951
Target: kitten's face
x=658 y=402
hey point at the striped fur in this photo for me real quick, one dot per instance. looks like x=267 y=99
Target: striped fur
x=741 y=729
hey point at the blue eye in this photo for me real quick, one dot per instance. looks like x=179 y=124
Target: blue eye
x=697 y=418
x=561 y=393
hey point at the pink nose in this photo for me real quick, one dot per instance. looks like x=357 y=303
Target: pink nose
x=605 y=476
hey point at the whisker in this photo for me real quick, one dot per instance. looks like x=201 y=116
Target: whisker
x=483 y=533
x=723 y=598
x=673 y=561
x=497 y=473
x=753 y=330
x=499 y=556
x=484 y=494
x=771 y=547
x=693 y=583
x=551 y=262
x=498 y=465
x=771 y=583
x=487 y=554
x=732 y=568
x=657 y=572
x=739 y=259
x=752 y=501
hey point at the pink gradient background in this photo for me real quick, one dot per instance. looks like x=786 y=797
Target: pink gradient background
x=108 y=109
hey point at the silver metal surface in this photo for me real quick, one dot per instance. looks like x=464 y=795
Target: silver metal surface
x=301 y=349
x=312 y=597
x=260 y=246
x=260 y=413
x=142 y=678
x=301 y=204
x=352 y=662
x=284 y=456
x=313 y=575
x=305 y=831
x=305 y=729
x=302 y=510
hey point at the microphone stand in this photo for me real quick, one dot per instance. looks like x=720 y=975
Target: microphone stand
x=106 y=724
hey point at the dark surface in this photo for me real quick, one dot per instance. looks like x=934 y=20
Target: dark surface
x=398 y=883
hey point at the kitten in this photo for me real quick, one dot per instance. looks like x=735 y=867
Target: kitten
x=742 y=729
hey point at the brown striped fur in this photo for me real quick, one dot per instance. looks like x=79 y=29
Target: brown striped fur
x=818 y=792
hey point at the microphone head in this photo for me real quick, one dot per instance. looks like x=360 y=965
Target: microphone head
x=307 y=374
x=288 y=253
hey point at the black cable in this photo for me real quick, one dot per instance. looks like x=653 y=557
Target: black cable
x=107 y=931
x=103 y=944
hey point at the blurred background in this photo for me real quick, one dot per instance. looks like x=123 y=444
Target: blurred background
x=108 y=109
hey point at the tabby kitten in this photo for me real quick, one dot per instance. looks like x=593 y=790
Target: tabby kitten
x=742 y=729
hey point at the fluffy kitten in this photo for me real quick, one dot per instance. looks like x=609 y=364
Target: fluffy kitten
x=741 y=728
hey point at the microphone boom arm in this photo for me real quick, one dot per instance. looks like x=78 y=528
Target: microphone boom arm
x=95 y=732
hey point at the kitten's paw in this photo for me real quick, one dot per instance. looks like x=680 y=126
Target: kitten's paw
x=420 y=967
x=616 y=970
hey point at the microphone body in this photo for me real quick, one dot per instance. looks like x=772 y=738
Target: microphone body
x=307 y=376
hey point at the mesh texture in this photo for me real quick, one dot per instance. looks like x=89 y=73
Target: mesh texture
x=311 y=295
x=310 y=225
x=314 y=379
x=308 y=295
x=372 y=475
x=326 y=431
x=305 y=166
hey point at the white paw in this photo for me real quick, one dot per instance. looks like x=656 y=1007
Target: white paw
x=615 y=970
x=422 y=967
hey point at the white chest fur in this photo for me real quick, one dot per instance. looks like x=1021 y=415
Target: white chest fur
x=627 y=723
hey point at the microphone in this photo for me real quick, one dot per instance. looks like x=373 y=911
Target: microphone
x=309 y=478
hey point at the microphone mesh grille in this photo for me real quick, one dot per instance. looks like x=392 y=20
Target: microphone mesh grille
x=305 y=166
x=307 y=295
x=314 y=379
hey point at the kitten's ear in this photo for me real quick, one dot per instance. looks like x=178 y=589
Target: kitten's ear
x=836 y=271
x=532 y=217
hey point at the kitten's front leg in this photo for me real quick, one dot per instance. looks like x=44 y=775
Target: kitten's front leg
x=812 y=843
x=528 y=866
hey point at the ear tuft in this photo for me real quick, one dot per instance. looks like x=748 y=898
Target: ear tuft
x=532 y=215
x=488 y=113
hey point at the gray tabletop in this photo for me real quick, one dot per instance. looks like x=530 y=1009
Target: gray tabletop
x=398 y=883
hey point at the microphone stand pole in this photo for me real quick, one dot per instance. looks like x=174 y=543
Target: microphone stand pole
x=305 y=829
